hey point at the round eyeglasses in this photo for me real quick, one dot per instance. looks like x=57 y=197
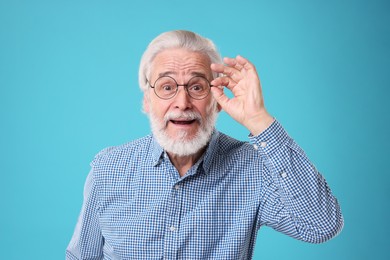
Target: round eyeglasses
x=166 y=87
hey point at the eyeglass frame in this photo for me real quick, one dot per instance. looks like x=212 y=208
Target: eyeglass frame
x=178 y=85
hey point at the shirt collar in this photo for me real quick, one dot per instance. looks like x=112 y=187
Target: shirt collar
x=157 y=152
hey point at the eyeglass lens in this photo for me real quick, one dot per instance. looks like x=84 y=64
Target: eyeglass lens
x=197 y=87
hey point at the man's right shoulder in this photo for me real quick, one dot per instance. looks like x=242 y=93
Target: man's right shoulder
x=138 y=147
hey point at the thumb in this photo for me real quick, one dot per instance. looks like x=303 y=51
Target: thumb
x=220 y=96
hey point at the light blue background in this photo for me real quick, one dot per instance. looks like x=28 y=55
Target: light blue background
x=68 y=82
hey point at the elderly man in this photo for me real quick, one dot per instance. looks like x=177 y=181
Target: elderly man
x=188 y=191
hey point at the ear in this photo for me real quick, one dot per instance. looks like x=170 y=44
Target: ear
x=146 y=103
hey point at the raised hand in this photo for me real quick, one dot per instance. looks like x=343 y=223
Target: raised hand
x=247 y=105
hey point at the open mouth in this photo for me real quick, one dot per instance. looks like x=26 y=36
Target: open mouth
x=182 y=122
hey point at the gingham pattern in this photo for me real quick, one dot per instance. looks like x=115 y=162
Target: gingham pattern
x=136 y=206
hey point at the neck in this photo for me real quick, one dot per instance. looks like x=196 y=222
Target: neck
x=184 y=163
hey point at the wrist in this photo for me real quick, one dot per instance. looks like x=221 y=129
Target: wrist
x=256 y=125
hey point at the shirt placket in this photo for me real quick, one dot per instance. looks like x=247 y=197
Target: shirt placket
x=172 y=228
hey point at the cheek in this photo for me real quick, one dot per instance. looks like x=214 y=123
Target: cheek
x=205 y=108
x=158 y=109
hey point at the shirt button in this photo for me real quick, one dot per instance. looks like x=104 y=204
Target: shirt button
x=283 y=174
x=255 y=146
x=177 y=186
x=172 y=228
x=263 y=144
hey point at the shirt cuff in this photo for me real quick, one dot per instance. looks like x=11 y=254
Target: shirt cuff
x=270 y=139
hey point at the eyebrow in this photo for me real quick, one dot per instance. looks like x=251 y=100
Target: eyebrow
x=166 y=73
x=170 y=73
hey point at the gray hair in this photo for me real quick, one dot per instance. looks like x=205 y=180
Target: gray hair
x=175 y=39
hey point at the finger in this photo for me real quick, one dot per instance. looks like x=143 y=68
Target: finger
x=246 y=64
x=224 y=82
x=232 y=63
x=229 y=71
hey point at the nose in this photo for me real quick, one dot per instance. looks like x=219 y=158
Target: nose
x=182 y=100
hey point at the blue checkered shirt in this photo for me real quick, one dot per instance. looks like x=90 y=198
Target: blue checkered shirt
x=136 y=205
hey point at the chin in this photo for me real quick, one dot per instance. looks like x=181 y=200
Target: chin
x=183 y=144
x=182 y=136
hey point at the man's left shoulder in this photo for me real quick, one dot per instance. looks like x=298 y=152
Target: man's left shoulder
x=229 y=145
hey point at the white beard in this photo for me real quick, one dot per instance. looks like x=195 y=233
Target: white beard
x=181 y=145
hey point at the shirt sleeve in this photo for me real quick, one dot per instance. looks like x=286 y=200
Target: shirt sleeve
x=87 y=240
x=295 y=198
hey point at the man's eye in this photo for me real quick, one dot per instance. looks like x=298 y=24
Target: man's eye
x=196 y=88
x=167 y=88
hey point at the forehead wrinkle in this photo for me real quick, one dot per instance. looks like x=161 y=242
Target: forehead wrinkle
x=192 y=73
x=178 y=68
x=191 y=64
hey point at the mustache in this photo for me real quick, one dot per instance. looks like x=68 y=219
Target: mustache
x=186 y=115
